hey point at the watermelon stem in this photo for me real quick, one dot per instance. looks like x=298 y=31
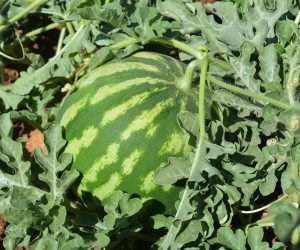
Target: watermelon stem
x=185 y=82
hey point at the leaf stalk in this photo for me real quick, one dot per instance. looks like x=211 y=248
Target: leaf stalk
x=203 y=76
x=40 y=30
x=60 y=40
x=23 y=13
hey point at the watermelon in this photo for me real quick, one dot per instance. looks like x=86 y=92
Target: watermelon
x=121 y=126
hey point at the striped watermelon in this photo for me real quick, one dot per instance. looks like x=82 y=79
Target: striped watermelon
x=121 y=126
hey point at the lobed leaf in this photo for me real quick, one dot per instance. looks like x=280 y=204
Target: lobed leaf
x=52 y=166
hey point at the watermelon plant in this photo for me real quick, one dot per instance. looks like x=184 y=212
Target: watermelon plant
x=167 y=124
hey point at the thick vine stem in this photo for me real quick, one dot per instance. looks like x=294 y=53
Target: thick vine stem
x=185 y=82
x=23 y=13
x=174 y=229
x=70 y=28
x=253 y=95
x=124 y=43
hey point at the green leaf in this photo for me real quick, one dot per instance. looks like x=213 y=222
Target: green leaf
x=27 y=116
x=286 y=218
x=291 y=119
x=161 y=221
x=255 y=237
x=189 y=232
x=119 y=204
x=244 y=70
x=60 y=239
x=59 y=218
x=149 y=23
x=180 y=12
x=244 y=106
x=190 y=122
x=214 y=150
x=203 y=168
x=42 y=102
x=102 y=240
x=53 y=166
x=177 y=169
x=107 y=224
x=5 y=125
x=22 y=197
x=58 y=66
x=269 y=66
x=235 y=241
x=241 y=176
x=270 y=12
x=257 y=16
x=278 y=246
x=112 y=14
x=285 y=30
x=296 y=152
x=191 y=22
x=10 y=99
x=11 y=152
x=269 y=184
x=101 y=56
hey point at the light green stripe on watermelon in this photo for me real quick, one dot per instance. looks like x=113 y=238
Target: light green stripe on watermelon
x=131 y=161
x=109 y=187
x=146 y=118
x=167 y=188
x=72 y=111
x=117 y=67
x=174 y=145
x=110 y=157
x=151 y=130
x=112 y=114
x=156 y=58
x=153 y=56
x=162 y=61
x=113 y=89
x=76 y=144
x=135 y=113
x=148 y=184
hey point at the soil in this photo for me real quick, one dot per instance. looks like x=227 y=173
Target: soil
x=2 y=227
x=10 y=75
x=35 y=138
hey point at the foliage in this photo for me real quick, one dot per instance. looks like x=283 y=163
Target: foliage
x=247 y=157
